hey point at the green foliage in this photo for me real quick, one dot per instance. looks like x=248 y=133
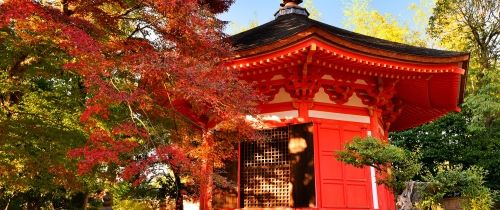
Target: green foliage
x=442 y=141
x=470 y=138
x=395 y=164
x=136 y=205
x=485 y=104
x=148 y=195
x=34 y=139
x=470 y=25
x=40 y=105
x=450 y=140
x=452 y=182
x=128 y=197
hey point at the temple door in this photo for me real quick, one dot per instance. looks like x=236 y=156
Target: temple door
x=341 y=186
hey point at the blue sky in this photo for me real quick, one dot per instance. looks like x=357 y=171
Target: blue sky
x=242 y=12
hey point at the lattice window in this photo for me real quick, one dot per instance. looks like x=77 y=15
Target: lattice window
x=265 y=171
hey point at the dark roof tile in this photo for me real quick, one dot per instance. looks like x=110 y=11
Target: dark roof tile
x=289 y=25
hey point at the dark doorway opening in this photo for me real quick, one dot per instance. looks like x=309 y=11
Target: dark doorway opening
x=278 y=170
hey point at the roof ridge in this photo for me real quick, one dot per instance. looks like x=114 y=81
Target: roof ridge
x=376 y=38
x=288 y=25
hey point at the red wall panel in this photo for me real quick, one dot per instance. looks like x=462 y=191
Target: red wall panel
x=334 y=194
x=342 y=186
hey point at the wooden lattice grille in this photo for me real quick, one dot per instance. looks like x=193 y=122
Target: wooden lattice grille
x=265 y=173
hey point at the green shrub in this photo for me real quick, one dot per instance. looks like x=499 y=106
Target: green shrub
x=456 y=182
x=396 y=165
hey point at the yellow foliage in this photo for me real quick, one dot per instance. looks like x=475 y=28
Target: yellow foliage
x=314 y=13
x=237 y=28
x=363 y=19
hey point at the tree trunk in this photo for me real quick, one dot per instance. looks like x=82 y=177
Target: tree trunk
x=162 y=194
x=14 y=74
x=65 y=8
x=33 y=205
x=404 y=201
x=8 y=203
x=163 y=204
x=107 y=201
x=85 y=201
x=179 y=202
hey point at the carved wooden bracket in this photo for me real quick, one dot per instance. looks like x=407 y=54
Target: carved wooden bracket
x=302 y=88
x=267 y=89
x=303 y=83
x=339 y=94
x=383 y=97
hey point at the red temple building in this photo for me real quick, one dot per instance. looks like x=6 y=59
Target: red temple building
x=326 y=85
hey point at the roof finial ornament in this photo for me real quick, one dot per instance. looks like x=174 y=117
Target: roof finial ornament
x=291 y=7
x=291 y=3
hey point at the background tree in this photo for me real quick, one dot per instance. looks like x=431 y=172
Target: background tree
x=397 y=168
x=468 y=184
x=360 y=17
x=153 y=81
x=474 y=26
x=238 y=28
x=40 y=104
x=314 y=13
x=470 y=137
x=473 y=134
x=478 y=23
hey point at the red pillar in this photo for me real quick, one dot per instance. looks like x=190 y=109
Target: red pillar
x=206 y=188
x=206 y=185
x=303 y=107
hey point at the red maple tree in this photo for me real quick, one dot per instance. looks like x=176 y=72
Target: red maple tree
x=156 y=87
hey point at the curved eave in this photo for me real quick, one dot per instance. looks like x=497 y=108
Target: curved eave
x=299 y=46
x=321 y=34
x=431 y=115
x=298 y=50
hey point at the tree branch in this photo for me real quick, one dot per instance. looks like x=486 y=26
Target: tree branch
x=65 y=8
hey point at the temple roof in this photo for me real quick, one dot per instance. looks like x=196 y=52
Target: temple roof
x=289 y=25
x=427 y=83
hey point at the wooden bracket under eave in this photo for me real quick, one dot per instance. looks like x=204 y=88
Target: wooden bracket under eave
x=309 y=59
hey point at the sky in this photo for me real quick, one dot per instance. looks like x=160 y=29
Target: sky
x=242 y=12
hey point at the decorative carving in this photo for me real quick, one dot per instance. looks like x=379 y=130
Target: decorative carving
x=339 y=94
x=303 y=82
x=391 y=111
x=265 y=88
x=380 y=94
x=382 y=97
x=302 y=88
x=302 y=85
